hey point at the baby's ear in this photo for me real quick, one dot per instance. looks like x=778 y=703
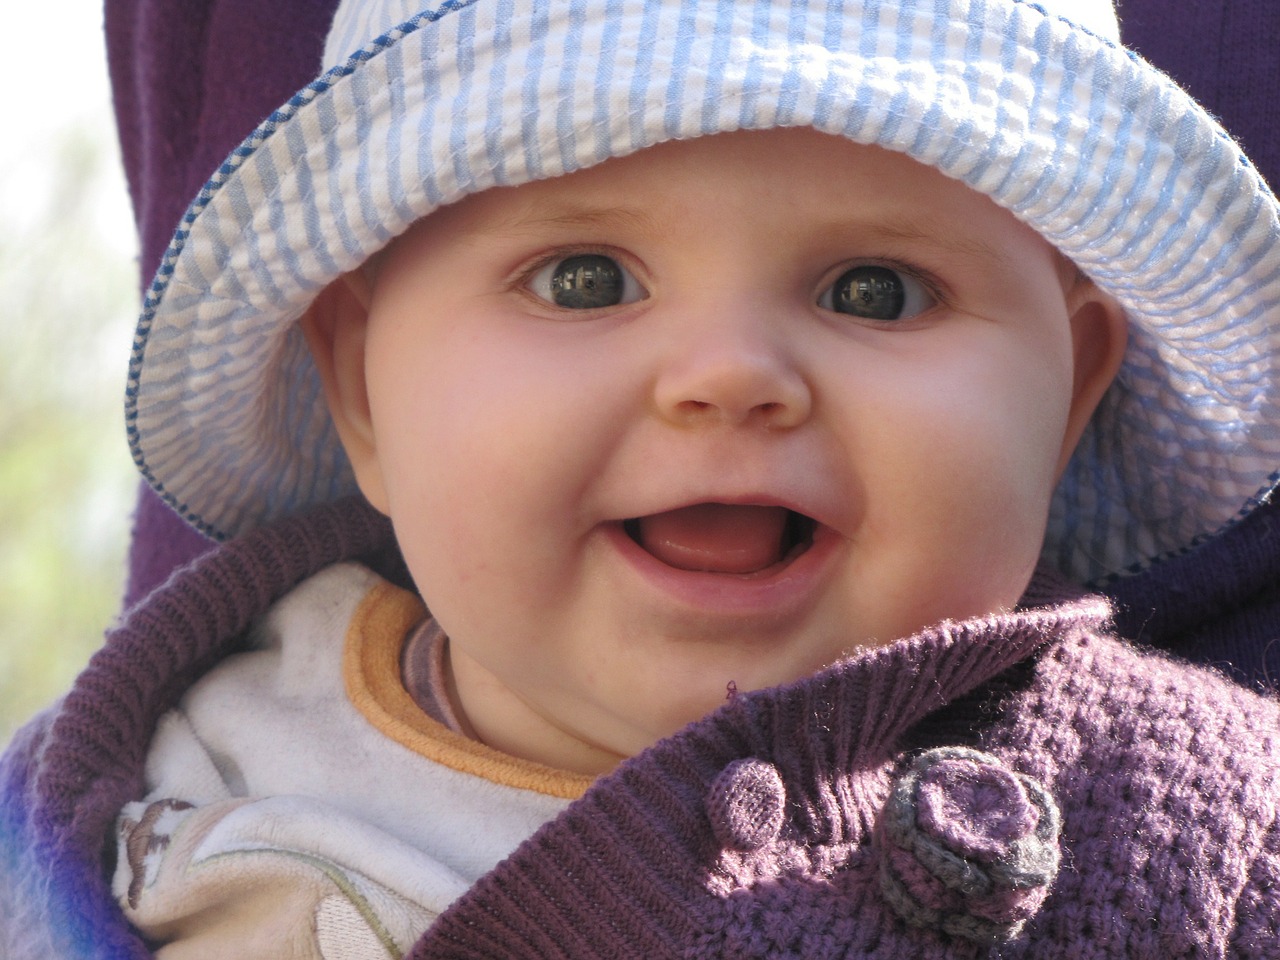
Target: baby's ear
x=336 y=326
x=1099 y=337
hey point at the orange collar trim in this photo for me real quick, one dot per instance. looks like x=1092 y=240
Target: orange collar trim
x=371 y=671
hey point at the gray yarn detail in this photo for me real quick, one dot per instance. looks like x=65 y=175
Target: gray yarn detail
x=1014 y=881
x=961 y=925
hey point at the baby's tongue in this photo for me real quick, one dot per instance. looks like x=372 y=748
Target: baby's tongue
x=715 y=537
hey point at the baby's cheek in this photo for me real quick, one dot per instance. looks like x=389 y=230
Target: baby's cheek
x=984 y=520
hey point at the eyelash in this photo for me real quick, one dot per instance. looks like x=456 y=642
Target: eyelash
x=526 y=276
x=927 y=285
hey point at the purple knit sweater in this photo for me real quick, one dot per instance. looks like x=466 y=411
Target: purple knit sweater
x=1022 y=785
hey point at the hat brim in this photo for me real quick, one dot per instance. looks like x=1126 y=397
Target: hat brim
x=1098 y=151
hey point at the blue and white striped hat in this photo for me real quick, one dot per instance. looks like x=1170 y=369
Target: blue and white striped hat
x=1035 y=104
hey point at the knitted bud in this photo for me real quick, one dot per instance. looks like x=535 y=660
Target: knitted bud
x=968 y=845
x=747 y=805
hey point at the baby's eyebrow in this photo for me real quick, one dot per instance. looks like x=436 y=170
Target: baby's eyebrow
x=965 y=246
x=561 y=215
x=940 y=236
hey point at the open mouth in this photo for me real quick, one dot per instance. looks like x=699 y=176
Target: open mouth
x=740 y=539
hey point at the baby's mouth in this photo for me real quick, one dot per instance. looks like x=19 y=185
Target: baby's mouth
x=722 y=537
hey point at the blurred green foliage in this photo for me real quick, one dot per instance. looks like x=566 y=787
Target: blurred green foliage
x=67 y=298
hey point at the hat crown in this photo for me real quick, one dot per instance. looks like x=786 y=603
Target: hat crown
x=356 y=22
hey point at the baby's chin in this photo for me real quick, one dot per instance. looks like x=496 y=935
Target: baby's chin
x=585 y=705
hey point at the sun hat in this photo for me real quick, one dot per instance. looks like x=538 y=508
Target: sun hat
x=1036 y=105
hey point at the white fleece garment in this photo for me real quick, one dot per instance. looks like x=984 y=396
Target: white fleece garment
x=300 y=805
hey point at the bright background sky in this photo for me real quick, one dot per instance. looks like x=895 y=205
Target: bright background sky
x=68 y=298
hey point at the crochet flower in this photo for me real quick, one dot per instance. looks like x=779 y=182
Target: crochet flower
x=969 y=846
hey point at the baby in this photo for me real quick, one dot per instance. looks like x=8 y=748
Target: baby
x=795 y=355
x=681 y=419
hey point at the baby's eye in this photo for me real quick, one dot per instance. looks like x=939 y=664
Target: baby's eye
x=877 y=293
x=585 y=281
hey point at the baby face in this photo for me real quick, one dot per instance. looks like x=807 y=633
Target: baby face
x=721 y=412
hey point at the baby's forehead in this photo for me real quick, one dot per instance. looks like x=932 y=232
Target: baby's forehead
x=810 y=184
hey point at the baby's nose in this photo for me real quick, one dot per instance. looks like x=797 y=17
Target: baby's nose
x=741 y=377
